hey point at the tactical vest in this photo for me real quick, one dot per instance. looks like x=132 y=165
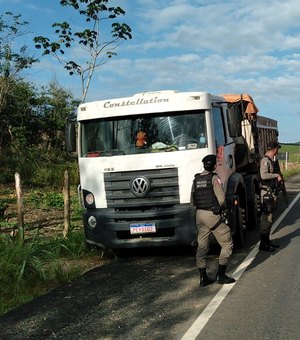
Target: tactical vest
x=271 y=183
x=204 y=196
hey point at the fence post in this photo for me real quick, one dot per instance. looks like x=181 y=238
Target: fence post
x=66 y=193
x=20 y=208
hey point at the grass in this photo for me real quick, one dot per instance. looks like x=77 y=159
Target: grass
x=20 y=266
x=36 y=267
x=293 y=152
x=45 y=259
x=291 y=171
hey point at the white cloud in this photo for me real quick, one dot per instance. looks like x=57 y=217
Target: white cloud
x=224 y=27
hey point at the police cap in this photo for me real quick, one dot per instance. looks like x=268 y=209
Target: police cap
x=273 y=145
x=210 y=160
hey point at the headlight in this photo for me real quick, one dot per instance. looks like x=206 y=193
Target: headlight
x=89 y=198
x=92 y=222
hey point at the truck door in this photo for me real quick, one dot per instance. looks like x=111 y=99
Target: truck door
x=224 y=147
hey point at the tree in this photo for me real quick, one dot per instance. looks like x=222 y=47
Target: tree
x=13 y=60
x=36 y=118
x=17 y=123
x=53 y=107
x=27 y=118
x=96 y=51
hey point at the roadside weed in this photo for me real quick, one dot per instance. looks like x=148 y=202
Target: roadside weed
x=30 y=269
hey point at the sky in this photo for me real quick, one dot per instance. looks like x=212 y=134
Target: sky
x=216 y=46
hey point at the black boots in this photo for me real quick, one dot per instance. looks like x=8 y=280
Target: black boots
x=204 y=279
x=273 y=245
x=222 y=278
x=266 y=244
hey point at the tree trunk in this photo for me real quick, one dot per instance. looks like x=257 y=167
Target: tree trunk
x=20 y=208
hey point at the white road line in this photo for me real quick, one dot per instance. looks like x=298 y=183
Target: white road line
x=203 y=318
x=282 y=216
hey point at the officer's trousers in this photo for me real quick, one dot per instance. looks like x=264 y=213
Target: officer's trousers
x=267 y=218
x=205 y=221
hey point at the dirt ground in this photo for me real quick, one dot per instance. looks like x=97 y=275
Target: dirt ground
x=45 y=221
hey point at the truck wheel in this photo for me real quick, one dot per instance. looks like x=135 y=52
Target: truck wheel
x=238 y=236
x=253 y=212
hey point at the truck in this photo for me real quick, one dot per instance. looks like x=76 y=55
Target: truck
x=138 y=156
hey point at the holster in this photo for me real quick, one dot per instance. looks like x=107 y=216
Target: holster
x=268 y=201
x=216 y=210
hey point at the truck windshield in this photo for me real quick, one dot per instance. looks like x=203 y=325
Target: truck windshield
x=172 y=131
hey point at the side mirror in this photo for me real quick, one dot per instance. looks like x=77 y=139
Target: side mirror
x=70 y=136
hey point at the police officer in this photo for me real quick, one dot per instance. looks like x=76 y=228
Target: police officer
x=270 y=180
x=209 y=198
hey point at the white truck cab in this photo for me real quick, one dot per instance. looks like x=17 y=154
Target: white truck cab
x=137 y=160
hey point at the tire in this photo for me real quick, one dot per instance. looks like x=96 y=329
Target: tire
x=238 y=236
x=253 y=212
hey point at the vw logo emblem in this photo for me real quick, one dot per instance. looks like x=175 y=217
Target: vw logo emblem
x=140 y=186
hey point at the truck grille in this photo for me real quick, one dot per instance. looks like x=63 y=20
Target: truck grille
x=163 y=191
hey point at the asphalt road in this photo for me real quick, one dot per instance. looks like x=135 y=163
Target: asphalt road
x=156 y=295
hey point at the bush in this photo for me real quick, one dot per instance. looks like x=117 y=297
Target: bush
x=38 y=167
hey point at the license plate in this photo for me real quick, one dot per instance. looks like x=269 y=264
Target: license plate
x=142 y=228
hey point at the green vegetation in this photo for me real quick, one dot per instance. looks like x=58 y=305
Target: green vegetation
x=293 y=165
x=32 y=143
x=293 y=152
x=294 y=170
x=46 y=259
x=96 y=46
x=36 y=267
